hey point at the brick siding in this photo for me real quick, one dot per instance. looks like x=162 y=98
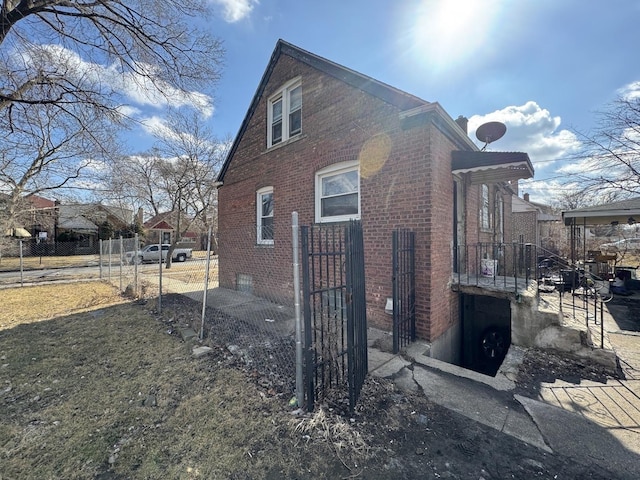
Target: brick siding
x=411 y=187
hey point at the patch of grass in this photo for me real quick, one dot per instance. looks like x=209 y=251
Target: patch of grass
x=38 y=262
x=32 y=304
x=108 y=392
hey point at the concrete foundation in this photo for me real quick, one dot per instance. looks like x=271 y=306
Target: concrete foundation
x=528 y=320
x=534 y=324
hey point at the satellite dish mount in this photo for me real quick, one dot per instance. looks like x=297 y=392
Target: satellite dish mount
x=490 y=132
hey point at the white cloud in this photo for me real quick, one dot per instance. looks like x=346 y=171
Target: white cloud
x=159 y=128
x=136 y=87
x=552 y=149
x=530 y=129
x=128 y=111
x=630 y=91
x=235 y=10
x=156 y=126
x=142 y=90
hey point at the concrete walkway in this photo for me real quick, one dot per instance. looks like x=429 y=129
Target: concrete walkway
x=589 y=421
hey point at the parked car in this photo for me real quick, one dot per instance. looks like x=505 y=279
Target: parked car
x=624 y=245
x=150 y=254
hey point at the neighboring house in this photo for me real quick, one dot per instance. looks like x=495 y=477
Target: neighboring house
x=334 y=145
x=539 y=225
x=164 y=227
x=36 y=223
x=55 y=228
x=13 y=230
x=43 y=215
x=85 y=224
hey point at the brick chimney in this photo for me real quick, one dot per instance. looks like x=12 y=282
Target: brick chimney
x=462 y=121
x=526 y=197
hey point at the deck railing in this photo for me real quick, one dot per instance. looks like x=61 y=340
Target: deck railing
x=508 y=266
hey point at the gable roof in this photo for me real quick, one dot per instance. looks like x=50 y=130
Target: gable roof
x=544 y=213
x=160 y=222
x=384 y=92
x=168 y=221
x=78 y=224
x=41 y=202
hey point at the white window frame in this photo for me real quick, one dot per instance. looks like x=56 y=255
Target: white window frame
x=330 y=171
x=485 y=220
x=284 y=94
x=259 y=218
x=499 y=217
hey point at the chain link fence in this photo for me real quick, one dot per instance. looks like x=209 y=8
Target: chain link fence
x=247 y=299
x=34 y=255
x=243 y=300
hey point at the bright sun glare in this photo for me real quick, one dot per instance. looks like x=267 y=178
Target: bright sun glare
x=446 y=32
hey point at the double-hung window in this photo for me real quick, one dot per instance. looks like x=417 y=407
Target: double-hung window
x=499 y=218
x=264 y=204
x=338 y=193
x=485 y=221
x=284 y=115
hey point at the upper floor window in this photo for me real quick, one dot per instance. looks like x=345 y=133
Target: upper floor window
x=264 y=220
x=284 y=114
x=338 y=193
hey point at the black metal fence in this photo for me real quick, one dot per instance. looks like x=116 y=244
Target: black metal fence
x=356 y=312
x=334 y=309
x=404 y=289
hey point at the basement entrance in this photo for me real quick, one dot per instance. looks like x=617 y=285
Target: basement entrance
x=486 y=332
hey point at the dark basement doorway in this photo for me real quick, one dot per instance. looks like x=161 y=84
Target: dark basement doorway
x=486 y=332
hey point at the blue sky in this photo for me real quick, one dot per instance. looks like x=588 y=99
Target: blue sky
x=543 y=67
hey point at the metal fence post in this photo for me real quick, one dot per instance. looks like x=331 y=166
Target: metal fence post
x=134 y=258
x=121 y=256
x=21 y=266
x=100 y=259
x=296 y=296
x=109 y=266
x=160 y=276
x=206 y=284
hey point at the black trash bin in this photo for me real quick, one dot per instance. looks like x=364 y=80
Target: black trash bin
x=570 y=279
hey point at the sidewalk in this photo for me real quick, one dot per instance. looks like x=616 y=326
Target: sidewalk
x=589 y=422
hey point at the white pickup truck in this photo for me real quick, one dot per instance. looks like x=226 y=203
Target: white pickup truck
x=150 y=254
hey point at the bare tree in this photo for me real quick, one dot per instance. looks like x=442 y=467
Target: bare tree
x=67 y=71
x=178 y=176
x=137 y=181
x=611 y=168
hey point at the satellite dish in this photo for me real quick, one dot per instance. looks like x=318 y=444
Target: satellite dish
x=490 y=132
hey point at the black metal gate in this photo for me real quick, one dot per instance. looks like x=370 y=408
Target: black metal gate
x=335 y=321
x=404 y=289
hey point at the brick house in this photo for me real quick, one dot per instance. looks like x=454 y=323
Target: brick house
x=333 y=145
x=166 y=224
x=83 y=225
x=538 y=224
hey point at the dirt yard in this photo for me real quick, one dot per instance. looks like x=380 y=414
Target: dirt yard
x=93 y=385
